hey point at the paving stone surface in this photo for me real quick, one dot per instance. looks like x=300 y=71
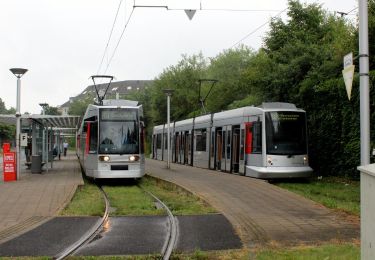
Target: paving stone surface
x=35 y=198
x=261 y=213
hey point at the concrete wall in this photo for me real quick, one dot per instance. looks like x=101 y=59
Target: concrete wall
x=367 y=211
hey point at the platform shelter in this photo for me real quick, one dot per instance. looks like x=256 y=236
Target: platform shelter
x=42 y=136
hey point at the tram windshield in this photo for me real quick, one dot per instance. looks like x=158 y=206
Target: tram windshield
x=118 y=131
x=286 y=133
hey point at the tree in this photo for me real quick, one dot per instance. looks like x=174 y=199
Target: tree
x=78 y=107
x=4 y=110
x=306 y=50
x=51 y=110
x=182 y=78
x=228 y=68
x=7 y=132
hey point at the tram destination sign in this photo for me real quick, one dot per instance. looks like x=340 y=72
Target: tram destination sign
x=285 y=116
x=118 y=114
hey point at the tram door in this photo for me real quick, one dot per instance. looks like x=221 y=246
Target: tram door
x=223 y=148
x=227 y=145
x=182 y=148
x=242 y=150
x=190 y=148
x=218 y=147
x=236 y=149
x=212 y=149
x=176 y=148
x=186 y=148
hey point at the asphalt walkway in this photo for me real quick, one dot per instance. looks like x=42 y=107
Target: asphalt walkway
x=35 y=198
x=261 y=213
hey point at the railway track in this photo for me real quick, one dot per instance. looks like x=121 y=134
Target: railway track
x=99 y=225
x=172 y=238
x=90 y=234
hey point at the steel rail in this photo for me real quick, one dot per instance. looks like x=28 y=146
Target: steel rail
x=173 y=229
x=89 y=235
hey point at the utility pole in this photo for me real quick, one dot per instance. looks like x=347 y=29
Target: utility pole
x=168 y=92
x=364 y=82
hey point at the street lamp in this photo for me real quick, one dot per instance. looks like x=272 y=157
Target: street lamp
x=168 y=92
x=43 y=105
x=18 y=72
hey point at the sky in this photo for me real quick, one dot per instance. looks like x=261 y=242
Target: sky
x=63 y=42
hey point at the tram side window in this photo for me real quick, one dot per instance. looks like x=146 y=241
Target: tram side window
x=93 y=146
x=257 y=137
x=158 y=141
x=201 y=139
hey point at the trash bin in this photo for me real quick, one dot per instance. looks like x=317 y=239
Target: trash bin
x=36 y=164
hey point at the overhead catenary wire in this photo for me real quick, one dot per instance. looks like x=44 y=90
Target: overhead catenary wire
x=258 y=28
x=119 y=40
x=352 y=10
x=110 y=36
x=134 y=6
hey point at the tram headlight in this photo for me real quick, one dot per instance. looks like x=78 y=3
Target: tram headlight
x=305 y=160
x=133 y=158
x=104 y=158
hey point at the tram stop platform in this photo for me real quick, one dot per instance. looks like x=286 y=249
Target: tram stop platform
x=36 y=198
x=261 y=213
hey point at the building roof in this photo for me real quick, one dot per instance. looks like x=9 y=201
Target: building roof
x=121 y=87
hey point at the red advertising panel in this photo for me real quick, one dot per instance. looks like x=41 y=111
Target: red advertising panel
x=9 y=166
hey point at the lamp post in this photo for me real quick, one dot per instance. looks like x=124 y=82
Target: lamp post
x=44 y=145
x=18 y=72
x=168 y=92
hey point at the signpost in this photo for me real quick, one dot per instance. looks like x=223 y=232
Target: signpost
x=190 y=13
x=348 y=73
x=23 y=140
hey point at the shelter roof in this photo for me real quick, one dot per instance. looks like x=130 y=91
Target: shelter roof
x=58 y=122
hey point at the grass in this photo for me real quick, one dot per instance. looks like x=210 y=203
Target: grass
x=87 y=201
x=127 y=199
x=322 y=252
x=335 y=193
x=328 y=252
x=130 y=200
x=179 y=201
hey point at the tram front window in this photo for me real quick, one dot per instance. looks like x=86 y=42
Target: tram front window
x=118 y=131
x=286 y=133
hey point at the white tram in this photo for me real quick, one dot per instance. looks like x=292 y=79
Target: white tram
x=269 y=141
x=110 y=141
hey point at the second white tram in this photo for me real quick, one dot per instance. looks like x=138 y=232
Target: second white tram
x=269 y=141
x=110 y=142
